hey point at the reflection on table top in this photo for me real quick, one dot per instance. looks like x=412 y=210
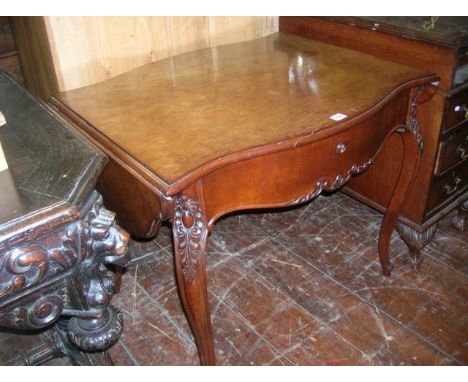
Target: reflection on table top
x=179 y=113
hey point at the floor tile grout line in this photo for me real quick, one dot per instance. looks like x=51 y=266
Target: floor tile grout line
x=163 y=310
x=185 y=337
x=439 y=233
x=382 y=310
x=462 y=273
x=318 y=319
x=136 y=259
x=380 y=215
x=247 y=323
x=129 y=353
x=269 y=236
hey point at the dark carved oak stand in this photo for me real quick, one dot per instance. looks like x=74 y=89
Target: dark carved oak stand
x=59 y=246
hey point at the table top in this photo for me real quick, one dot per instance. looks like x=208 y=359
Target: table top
x=177 y=115
x=49 y=164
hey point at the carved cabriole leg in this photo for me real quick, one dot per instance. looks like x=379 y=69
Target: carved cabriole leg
x=190 y=232
x=410 y=164
x=405 y=180
x=459 y=220
x=413 y=147
x=415 y=241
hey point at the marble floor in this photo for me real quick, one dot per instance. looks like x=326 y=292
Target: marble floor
x=301 y=286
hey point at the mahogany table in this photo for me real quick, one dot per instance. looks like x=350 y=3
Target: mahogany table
x=266 y=123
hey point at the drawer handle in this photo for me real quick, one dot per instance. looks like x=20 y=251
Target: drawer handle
x=462 y=151
x=450 y=190
x=463 y=108
x=341 y=148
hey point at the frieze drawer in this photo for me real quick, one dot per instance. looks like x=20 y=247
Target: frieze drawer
x=453 y=183
x=457 y=110
x=453 y=150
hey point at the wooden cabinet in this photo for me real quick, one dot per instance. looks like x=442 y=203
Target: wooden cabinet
x=441 y=46
x=9 y=60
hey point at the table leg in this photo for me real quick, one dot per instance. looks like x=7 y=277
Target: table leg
x=189 y=234
x=415 y=241
x=411 y=158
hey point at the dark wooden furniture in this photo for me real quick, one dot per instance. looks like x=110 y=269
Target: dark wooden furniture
x=9 y=58
x=58 y=244
x=267 y=123
x=439 y=45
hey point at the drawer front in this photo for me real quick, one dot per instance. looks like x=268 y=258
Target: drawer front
x=453 y=150
x=457 y=110
x=461 y=72
x=448 y=186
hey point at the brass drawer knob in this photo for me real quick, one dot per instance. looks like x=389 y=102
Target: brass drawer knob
x=462 y=152
x=449 y=190
x=341 y=148
x=463 y=109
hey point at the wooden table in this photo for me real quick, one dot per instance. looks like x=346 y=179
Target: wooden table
x=435 y=44
x=58 y=244
x=266 y=123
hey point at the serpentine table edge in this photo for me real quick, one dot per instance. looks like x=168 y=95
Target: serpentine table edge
x=272 y=175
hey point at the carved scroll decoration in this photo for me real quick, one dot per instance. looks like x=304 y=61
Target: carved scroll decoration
x=29 y=265
x=329 y=184
x=34 y=315
x=413 y=121
x=89 y=246
x=190 y=235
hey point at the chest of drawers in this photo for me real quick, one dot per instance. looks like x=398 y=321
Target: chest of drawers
x=431 y=43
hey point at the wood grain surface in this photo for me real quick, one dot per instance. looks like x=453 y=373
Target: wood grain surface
x=63 y=53
x=180 y=113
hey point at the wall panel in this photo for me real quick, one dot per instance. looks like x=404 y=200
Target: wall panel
x=86 y=50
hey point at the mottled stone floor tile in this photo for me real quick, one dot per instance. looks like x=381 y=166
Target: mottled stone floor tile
x=234 y=234
x=384 y=341
x=269 y=311
x=323 y=347
x=153 y=337
x=316 y=293
x=154 y=272
x=301 y=286
x=449 y=246
x=121 y=356
x=238 y=344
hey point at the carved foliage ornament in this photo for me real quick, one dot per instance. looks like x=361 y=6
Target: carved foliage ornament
x=329 y=184
x=413 y=121
x=190 y=235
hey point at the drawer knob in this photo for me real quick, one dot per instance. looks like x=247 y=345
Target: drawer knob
x=449 y=190
x=341 y=148
x=463 y=108
x=462 y=152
